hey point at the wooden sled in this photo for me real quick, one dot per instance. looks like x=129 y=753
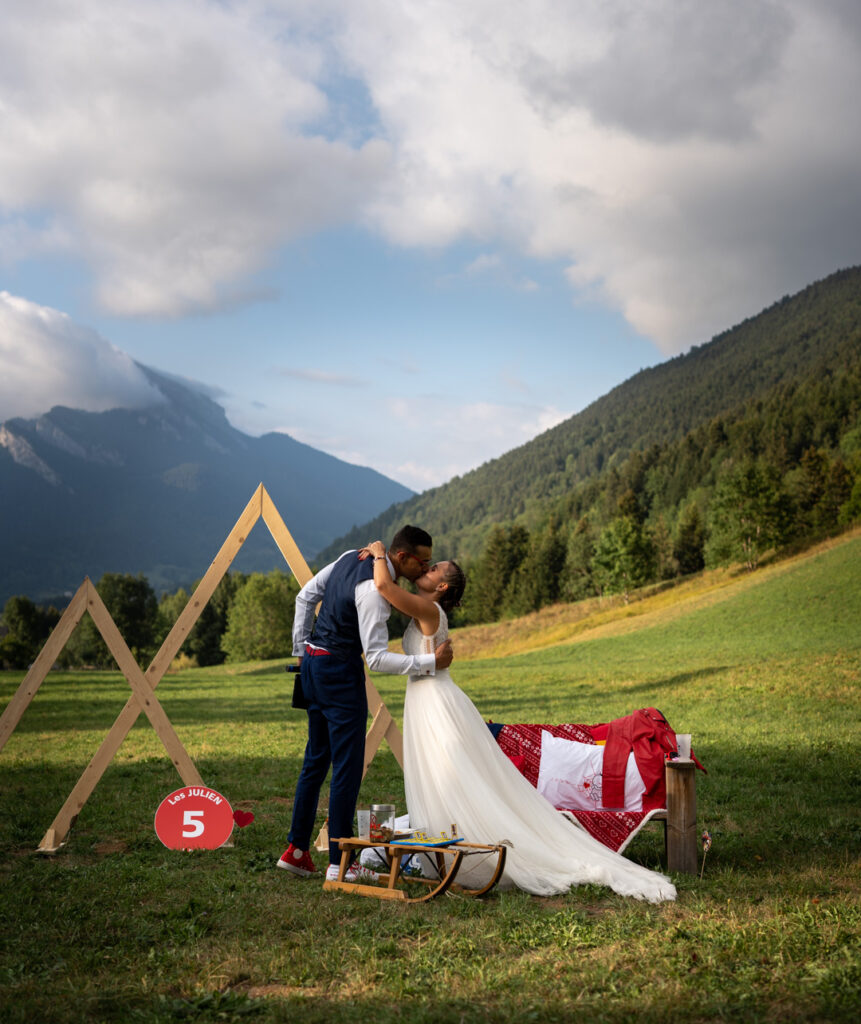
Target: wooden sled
x=395 y=886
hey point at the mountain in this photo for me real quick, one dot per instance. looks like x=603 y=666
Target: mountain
x=814 y=333
x=156 y=490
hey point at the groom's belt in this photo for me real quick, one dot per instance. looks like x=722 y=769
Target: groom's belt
x=314 y=651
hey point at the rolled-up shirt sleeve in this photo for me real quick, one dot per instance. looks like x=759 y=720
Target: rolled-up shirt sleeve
x=374 y=613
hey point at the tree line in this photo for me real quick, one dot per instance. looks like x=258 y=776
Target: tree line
x=776 y=472
x=800 y=342
x=248 y=617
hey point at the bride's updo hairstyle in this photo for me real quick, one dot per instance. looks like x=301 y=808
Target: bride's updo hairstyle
x=456 y=579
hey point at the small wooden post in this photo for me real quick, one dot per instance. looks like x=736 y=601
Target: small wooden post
x=681 y=817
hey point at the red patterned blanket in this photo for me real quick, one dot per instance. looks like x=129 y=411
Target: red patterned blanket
x=645 y=733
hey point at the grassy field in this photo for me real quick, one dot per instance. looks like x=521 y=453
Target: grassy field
x=762 y=669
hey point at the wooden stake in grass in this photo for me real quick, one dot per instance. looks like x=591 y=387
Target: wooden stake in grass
x=707 y=845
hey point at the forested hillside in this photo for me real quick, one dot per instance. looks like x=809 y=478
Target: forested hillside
x=748 y=445
x=768 y=358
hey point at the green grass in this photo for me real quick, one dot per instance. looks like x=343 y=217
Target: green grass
x=764 y=673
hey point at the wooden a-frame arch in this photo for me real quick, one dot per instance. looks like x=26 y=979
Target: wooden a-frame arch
x=143 y=685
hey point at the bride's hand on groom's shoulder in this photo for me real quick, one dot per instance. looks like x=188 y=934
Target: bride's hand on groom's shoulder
x=374 y=548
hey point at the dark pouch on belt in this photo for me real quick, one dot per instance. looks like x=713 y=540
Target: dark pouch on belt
x=299 y=699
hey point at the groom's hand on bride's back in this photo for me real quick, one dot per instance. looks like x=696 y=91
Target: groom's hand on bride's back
x=444 y=655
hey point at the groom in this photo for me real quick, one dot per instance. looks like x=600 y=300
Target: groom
x=352 y=619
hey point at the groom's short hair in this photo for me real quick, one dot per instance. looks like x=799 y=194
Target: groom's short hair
x=409 y=538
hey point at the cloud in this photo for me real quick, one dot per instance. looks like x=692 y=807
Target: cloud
x=425 y=439
x=46 y=359
x=686 y=162
x=311 y=376
x=665 y=72
x=689 y=163
x=492 y=269
x=483 y=264
x=462 y=435
x=170 y=144
x=212 y=391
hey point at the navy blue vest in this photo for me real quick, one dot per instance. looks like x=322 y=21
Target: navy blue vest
x=337 y=625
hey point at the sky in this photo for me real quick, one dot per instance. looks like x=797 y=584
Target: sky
x=411 y=233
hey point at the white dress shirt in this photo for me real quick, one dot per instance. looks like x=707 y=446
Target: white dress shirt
x=373 y=611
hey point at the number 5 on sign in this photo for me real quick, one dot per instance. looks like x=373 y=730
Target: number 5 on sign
x=193 y=826
x=194 y=818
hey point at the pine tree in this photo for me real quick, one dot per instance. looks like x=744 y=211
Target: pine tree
x=26 y=627
x=689 y=548
x=577 y=581
x=624 y=557
x=749 y=515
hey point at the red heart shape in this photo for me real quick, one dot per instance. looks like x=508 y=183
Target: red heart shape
x=243 y=818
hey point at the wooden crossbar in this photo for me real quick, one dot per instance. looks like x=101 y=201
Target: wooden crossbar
x=87 y=599
x=41 y=666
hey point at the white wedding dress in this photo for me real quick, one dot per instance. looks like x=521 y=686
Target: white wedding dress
x=455 y=773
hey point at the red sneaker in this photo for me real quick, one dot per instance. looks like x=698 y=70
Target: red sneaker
x=298 y=861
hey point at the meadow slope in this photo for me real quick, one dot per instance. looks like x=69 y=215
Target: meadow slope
x=763 y=669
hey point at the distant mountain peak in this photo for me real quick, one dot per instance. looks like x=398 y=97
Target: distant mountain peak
x=156 y=490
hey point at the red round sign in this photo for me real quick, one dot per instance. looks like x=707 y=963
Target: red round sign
x=194 y=818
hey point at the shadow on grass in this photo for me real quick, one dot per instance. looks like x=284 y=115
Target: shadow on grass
x=795 y=803
x=66 y=705
x=496 y=705
x=124 y=802
x=680 y=679
x=270 y=670
x=52 y=713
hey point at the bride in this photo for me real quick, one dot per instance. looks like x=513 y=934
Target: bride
x=454 y=771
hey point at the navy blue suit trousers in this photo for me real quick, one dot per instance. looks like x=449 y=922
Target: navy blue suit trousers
x=337 y=721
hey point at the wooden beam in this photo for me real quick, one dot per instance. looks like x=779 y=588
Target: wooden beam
x=143 y=685
x=42 y=665
x=205 y=589
x=91 y=775
x=144 y=693
x=383 y=726
x=143 y=698
x=283 y=538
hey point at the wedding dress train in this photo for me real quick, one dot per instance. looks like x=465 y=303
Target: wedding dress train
x=455 y=773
